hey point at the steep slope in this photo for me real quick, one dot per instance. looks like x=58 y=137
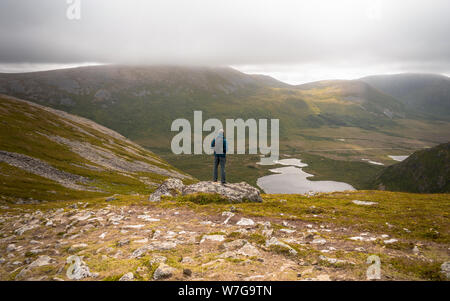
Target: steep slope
x=343 y=120
x=425 y=171
x=47 y=154
x=426 y=93
x=352 y=102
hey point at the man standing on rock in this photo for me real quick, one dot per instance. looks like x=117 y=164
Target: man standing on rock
x=219 y=144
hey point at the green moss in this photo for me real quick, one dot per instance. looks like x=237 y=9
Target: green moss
x=417 y=268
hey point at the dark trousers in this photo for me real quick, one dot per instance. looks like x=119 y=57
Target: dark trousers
x=219 y=160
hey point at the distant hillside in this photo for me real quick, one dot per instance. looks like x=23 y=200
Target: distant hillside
x=51 y=155
x=426 y=93
x=340 y=120
x=425 y=171
x=141 y=102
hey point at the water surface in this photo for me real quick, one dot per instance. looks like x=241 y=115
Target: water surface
x=293 y=180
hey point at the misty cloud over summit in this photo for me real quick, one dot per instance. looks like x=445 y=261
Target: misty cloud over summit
x=403 y=34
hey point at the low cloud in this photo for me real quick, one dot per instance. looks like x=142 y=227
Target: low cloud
x=350 y=34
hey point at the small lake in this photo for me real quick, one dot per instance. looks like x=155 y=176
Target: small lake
x=293 y=180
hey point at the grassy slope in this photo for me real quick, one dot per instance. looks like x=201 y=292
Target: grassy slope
x=19 y=133
x=145 y=101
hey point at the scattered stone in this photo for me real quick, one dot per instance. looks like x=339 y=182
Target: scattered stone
x=332 y=260
x=103 y=235
x=187 y=260
x=364 y=203
x=170 y=187
x=23 y=229
x=163 y=271
x=162 y=246
x=123 y=242
x=115 y=219
x=445 y=269
x=11 y=248
x=323 y=277
x=141 y=241
x=218 y=238
x=77 y=247
x=41 y=261
x=127 y=277
x=248 y=250
x=140 y=252
x=133 y=226
x=289 y=231
x=238 y=243
x=360 y=238
x=319 y=241
x=275 y=242
x=148 y=218
x=112 y=198
x=390 y=241
x=245 y=222
x=158 y=259
x=187 y=272
x=228 y=214
x=267 y=233
x=77 y=269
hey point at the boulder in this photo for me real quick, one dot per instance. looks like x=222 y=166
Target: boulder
x=248 y=250
x=245 y=222
x=163 y=271
x=445 y=269
x=127 y=277
x=275 y=242
x=237 y=192
x=170 y=187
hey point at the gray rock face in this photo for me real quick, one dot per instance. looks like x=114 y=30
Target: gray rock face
x=169 y=187
x=237 y=192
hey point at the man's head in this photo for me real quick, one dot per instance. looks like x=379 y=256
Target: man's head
x=221 y=132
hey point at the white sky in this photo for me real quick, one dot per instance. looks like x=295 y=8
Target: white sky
x=293 y=40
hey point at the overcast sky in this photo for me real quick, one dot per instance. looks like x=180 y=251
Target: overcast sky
x=295 y=41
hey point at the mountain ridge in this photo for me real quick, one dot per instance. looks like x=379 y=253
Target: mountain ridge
x=51 y=154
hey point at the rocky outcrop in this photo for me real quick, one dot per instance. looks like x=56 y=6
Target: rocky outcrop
x=236 y=192
x=169 y=187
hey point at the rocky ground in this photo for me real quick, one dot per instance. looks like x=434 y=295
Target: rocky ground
x=130 y=238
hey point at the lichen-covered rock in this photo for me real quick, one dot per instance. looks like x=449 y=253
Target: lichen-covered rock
x=236 y=192
x=170 y=187
x=445 y=269
x=77 y=269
